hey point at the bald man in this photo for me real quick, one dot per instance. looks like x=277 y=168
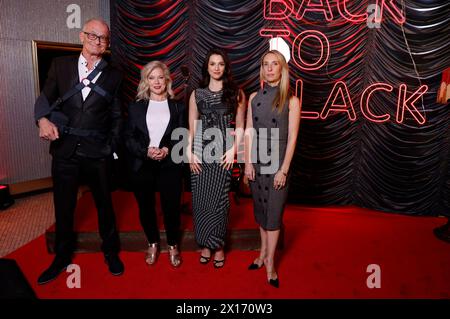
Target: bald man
x=83 y=130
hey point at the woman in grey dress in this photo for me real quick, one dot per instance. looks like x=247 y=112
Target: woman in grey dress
x=273 y=120
x=213 y=108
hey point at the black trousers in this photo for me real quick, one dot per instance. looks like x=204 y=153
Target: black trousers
x=67 y=174
x=150 y=178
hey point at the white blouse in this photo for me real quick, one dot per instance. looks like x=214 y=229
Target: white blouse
x=158 y=116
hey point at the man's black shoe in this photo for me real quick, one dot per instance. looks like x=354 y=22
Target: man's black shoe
x=115 y=265
x=58 y=265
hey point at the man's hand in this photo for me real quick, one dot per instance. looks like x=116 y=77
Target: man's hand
x=47 y=130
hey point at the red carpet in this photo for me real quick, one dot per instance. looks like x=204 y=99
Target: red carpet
x=127 y=217
x=326 y=254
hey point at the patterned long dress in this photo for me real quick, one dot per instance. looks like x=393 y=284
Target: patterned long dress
x=210 y=188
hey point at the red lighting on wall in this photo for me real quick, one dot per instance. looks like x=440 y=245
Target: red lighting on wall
x=405 y=103
x=321 y=7
x=365 y=98
x=339 y=100
x=273 y=33
x=324 y=50
x=353 y=18
x=272 y=14
x=390 y=6
x=299 y=93
x=339 y=90
x=341 y=93
x=283 y=9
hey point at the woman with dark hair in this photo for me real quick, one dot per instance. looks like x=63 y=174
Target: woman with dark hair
x=213 y=108
x=151 y=120
x=271 y=108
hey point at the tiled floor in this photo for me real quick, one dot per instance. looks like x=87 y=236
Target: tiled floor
x=24 y=221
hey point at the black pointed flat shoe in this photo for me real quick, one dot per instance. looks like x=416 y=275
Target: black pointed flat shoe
x=274 y=282
x=255 y=266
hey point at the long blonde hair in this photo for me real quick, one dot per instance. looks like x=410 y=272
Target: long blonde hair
x=283 y=93
x=144 y=86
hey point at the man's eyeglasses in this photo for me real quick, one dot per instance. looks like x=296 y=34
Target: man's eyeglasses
x=94 y=37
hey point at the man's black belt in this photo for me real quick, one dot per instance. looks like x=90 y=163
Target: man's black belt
x=82 y=132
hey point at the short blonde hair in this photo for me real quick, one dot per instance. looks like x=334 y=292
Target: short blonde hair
x=144 y=86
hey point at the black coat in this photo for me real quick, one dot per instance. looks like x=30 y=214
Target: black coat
x=137 y=136
x=95 y=113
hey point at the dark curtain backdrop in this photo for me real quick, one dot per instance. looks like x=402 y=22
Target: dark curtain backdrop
x=390 y=167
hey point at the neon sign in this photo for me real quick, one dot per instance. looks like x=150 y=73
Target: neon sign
x=283 y=9
x=340 y=91
x=324 y=50
x=272 y=10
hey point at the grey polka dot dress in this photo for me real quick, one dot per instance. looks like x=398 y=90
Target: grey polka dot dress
x=210 y=188
x=270 y=146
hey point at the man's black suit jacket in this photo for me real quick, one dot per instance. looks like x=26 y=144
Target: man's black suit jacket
x=95 y=113
x=137 y=136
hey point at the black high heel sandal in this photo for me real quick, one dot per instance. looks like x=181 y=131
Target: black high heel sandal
x=219 y=263
x=204 y=260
